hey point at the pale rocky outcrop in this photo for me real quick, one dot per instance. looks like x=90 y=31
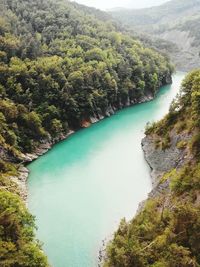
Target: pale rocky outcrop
x=20 y=180
x=162 y=161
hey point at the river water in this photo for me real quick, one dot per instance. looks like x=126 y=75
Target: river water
x=82 y=187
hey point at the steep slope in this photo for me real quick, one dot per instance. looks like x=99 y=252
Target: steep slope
x=62 y=66
x=166 y=231
x=176 y=21
x=168 y=13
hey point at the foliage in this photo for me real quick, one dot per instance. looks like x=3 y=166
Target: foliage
x=17 y=245
x=187 y=179
x=166 y=232
x=60 y=64
x=158 y=236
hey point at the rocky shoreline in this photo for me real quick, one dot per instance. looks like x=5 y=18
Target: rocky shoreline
x=160 y=161
x=23 y=172
x=163 y=160
x=147 y=145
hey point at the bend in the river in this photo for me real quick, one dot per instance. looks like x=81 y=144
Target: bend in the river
x=81 y=188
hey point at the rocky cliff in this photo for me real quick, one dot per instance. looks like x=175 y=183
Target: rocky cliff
x=163 y=160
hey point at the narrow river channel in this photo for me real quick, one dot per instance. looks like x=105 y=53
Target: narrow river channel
x=82 y=187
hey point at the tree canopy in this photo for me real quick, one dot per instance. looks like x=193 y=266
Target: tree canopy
x=166 y=232
x=60 y=64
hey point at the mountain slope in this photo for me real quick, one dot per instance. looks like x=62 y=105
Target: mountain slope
x=176 y=21
x=170 y=13
x=166 y=230
x=62 y=66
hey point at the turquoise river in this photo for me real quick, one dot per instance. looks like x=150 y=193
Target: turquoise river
x=84 y=185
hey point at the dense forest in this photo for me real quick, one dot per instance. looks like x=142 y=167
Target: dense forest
x=166 y=232
x=175 y=22
x=61 y=67
x=61 y=64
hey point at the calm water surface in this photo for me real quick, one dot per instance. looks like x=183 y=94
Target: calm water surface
x=81 y=188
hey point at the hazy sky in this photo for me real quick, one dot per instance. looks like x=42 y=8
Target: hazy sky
x=106 y=4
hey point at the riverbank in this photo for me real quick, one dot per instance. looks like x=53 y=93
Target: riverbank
x=166 y=229
x=87 y=171
x=160 y=162
x=23 y=172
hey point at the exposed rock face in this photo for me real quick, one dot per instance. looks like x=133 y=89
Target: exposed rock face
x=187 y=56
x=43 y=148
x=157 y=191
x=20 y=180
x=146 y=99
x=94 y=119
x=110 y=111
x=162 y=161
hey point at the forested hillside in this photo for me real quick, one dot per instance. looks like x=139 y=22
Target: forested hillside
x=61 y=64
x=176 y=21
x=166 y=231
